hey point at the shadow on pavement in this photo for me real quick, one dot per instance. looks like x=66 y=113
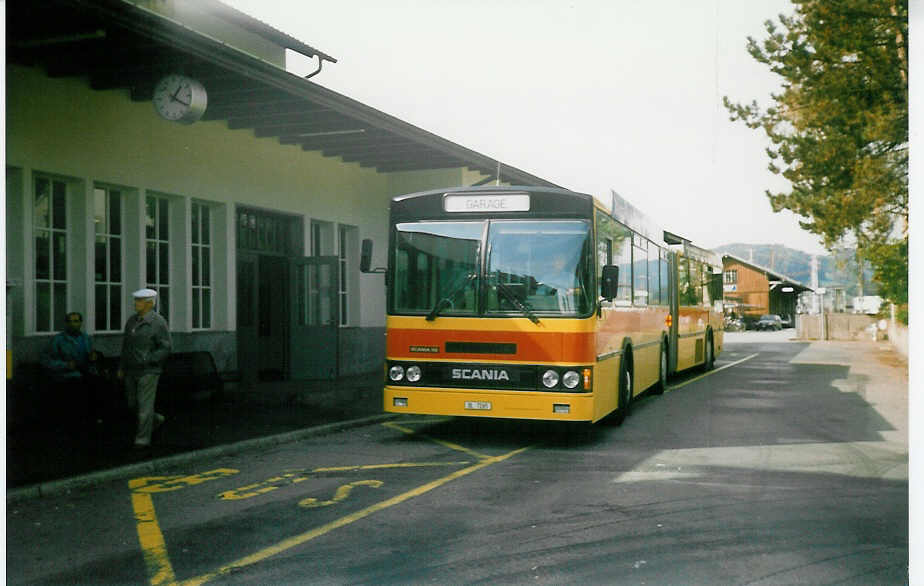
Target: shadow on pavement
x=51 y=442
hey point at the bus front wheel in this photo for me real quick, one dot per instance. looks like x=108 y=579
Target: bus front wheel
x=625 y=392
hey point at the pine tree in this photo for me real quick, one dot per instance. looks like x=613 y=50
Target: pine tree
x=839 y=129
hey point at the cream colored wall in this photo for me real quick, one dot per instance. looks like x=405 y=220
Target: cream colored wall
x=413 y=181
x=73 y=130
x=60 y=126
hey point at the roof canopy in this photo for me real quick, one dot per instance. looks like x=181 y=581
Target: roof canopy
x=116 y=44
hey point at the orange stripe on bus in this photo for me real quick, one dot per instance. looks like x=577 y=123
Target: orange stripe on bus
x=530 y=347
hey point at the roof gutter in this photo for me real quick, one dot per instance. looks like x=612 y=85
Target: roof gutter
x=179 y=37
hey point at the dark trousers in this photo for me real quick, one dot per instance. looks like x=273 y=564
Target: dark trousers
x=85 y=399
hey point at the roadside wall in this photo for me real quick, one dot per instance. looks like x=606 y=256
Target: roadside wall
x=838 y=326
x=852 y=326
x=898 y=336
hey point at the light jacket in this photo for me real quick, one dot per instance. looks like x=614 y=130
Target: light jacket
x=145 y=345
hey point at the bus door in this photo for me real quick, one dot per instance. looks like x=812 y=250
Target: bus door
x=673 y=337
x=315 y=318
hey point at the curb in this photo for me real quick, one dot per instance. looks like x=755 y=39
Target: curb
x=56 y=487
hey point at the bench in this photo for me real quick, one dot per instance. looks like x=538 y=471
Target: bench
x=186 y=375
x=192 y=375
x=32 y=399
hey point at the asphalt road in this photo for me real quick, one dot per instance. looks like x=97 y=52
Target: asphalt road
x=785 y=465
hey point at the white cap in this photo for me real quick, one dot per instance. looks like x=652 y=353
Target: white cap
x=144 y=294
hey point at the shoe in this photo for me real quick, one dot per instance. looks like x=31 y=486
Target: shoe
x=158 y=421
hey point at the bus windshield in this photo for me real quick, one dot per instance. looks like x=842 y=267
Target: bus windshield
x=533 y=267
x=543 y=265
x=436 y=267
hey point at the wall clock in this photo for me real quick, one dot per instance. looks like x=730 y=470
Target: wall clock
x=180 y=99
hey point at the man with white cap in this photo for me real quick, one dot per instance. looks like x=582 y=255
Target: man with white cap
x=145 y=347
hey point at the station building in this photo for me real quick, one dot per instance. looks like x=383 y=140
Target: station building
x=751 y=290
x=163 y=144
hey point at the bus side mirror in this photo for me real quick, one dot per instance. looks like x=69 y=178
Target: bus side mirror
x=365 y=256
x=610 y=282
x=365 y=259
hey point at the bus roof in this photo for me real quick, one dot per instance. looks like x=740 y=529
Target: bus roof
x=487 y=200
x=429 y=205
x=489 y=188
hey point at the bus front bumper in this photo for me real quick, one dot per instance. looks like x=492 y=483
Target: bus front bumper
x=481 y=403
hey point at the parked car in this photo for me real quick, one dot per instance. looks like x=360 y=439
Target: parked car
x=734 y=324
x=770 y=322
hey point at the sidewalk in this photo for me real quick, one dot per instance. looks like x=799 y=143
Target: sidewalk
x=39 y=454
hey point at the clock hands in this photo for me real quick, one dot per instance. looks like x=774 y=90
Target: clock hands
x=174 y=97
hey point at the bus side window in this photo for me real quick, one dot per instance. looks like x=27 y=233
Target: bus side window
x=622 y=257
x=699 y=281
x=614 y=246
x=664 y=266
x=685 y=285
x=640 y=276
x=654 y=274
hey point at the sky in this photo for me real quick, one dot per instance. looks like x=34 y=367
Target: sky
x=592 y=95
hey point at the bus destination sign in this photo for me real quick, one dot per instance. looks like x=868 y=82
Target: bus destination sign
x=518 y=202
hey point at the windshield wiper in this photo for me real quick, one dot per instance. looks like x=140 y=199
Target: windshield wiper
x=521 y=305
x=447 y=300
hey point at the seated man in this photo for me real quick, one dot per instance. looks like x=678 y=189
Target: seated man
x=71 y=361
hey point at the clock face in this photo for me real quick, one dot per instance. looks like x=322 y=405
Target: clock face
x=179 y=99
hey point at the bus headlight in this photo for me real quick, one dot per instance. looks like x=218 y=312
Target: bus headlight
x=396 y=373
x=571 y=379
x=550 y=379
x=413 y=374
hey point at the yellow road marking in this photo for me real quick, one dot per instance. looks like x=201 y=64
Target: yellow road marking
x=705 y=374
x=449 y=445
x=170 y=483
x=150 y=537
x=156 y=561
x=342 y=493
x=397 y=465
x=343 y=521
x=295 y=477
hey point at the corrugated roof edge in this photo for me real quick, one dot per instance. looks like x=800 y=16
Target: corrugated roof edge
x=183 y=38
x=257 y=26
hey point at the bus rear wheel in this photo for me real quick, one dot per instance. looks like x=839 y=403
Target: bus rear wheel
x=709 y=362
x=661 y=385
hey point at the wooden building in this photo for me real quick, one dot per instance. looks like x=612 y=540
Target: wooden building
x=751 y=290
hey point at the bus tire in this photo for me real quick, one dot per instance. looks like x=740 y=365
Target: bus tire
x=661 y=385
x=709 y=362
x=625 y=391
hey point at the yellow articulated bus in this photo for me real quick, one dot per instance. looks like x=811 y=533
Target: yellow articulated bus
x=539 y=303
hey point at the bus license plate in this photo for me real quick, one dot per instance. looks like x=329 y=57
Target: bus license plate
x=478 y=405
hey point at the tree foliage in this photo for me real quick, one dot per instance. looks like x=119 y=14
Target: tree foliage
x=839 y=129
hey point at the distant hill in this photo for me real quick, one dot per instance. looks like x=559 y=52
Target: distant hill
x=838 y=269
